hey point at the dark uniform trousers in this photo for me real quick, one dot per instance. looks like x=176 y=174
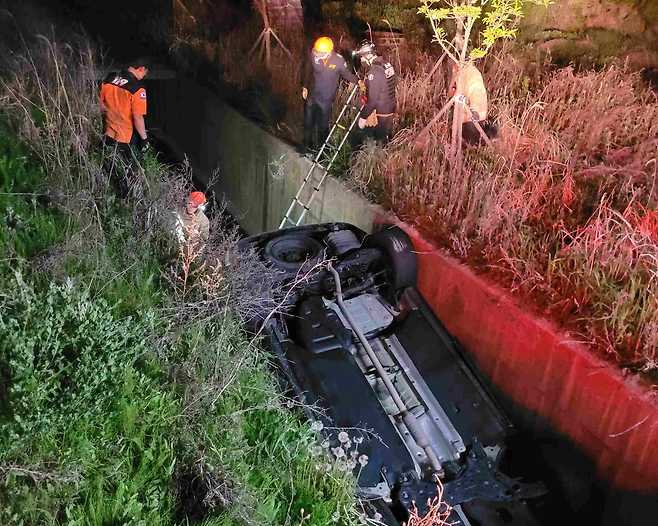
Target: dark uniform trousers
x=317 y=118
x=321 y=77
x=380 y=133
x=120 y=161
x=471 y=135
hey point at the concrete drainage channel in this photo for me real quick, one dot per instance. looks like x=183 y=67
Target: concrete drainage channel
x=583 y=429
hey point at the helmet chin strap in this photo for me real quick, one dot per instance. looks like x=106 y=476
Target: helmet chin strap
x=369 y=59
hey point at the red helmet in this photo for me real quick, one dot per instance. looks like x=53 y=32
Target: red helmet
x=196 y=199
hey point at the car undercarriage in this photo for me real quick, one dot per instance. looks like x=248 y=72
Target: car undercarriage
x=363 y=351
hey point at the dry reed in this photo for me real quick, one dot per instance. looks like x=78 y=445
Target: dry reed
x=562 y=208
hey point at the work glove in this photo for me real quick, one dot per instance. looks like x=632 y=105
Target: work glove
x=372 y=120
x=143 y=145
x=362 y=87
x=304 y=93
x=361 y=124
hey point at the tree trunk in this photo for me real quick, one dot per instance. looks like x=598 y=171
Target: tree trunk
x=458 y=109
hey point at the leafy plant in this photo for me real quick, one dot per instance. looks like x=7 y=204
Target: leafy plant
x=495 y=19
x=77 y=407
x=27 y=227
x=381 y=13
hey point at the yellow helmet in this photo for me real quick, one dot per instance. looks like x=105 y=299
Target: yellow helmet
x=323 y=45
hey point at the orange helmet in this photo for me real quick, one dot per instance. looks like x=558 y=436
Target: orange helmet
x=323 y=45
x=196 y=199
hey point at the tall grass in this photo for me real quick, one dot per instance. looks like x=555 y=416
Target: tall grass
x=562 y=208
x=53 y=86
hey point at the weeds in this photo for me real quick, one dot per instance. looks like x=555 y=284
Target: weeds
x=78 y=407
x=124 y=398
x=60 y=117
x=561 y=209
x=438 y=513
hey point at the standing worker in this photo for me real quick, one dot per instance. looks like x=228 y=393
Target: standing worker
x=472 y=85
x=123 y=105
x=376 y=119
x=320 y=78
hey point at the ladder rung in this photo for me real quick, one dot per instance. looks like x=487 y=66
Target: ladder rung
x=303 y=205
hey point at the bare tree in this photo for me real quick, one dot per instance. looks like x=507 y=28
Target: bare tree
x=264 y=40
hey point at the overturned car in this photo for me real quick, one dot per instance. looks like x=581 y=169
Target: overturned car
x=356 y=339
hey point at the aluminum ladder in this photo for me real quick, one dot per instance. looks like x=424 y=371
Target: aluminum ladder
x=300 y=205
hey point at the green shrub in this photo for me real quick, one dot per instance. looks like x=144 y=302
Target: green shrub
x=80 y=412
x=27 y=226
x=401 y=15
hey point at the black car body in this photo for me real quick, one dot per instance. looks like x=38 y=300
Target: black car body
x=357 y=340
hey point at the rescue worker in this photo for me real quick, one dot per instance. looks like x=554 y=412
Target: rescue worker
x=320 y=78
x=191 y=226
x=476 y=98
x=376 y=119
x=123 y=105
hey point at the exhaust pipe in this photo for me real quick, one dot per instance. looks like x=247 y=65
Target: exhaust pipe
x=408 y=418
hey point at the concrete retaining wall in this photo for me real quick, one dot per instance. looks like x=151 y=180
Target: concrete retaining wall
x=554 y=380
x=258 y=173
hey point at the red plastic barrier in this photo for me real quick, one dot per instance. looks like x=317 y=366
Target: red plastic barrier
x=613 y=419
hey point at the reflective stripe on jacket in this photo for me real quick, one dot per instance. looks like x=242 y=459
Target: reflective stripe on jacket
x=380 y=89
x=122 y=96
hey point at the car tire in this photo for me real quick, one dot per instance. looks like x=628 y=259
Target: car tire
x=399 y=250
x=291 y=252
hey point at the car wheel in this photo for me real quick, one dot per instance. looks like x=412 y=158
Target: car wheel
x=292 y=251
x=397 y=246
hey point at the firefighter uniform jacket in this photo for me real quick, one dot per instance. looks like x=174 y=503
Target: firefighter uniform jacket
x=380 y=82
x=321 y=77
x=122 y=96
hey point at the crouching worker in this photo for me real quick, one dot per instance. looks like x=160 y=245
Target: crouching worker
x=476 y=109
x=376 y=119
x=191 y=228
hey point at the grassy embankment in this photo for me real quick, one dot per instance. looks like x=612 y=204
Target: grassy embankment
x=129 y=394
x=562 y=210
